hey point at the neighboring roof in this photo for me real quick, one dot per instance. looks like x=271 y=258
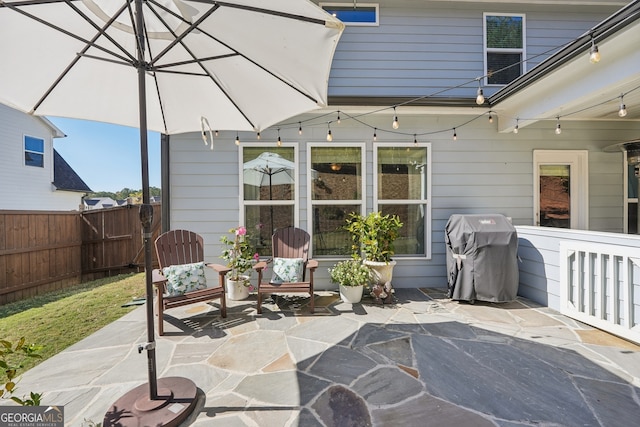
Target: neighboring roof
x=65 y=178
x=567 y=84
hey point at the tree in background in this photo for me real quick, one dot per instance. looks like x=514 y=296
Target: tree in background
x=125 y=193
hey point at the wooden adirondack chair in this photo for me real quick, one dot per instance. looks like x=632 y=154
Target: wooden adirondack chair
x=288 y=243
x=179 y=247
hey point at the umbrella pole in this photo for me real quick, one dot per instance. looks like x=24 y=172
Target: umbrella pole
x=175 y=400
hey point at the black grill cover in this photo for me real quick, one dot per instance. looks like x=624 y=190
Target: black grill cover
x=482 y=252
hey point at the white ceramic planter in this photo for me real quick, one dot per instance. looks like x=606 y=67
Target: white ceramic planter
x=351 y=294
x=236 y=290
x=382 y=271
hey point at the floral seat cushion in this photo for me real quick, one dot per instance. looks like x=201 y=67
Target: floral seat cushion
x=184 y=278
x=287 y=270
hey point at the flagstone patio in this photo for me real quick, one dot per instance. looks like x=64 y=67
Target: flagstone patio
x=423 y=361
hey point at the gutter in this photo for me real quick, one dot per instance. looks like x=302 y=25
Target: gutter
x=613 y=24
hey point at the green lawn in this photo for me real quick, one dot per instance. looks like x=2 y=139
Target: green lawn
x=60 y=319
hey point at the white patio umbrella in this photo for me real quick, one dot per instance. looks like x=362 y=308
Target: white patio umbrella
x=162 y=65
x=269 y=169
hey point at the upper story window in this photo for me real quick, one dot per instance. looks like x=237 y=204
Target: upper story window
x=337 y=189
x=33 y=151
x=353 y=13
x=269 y=192
x=504 y=36
x=402 y=187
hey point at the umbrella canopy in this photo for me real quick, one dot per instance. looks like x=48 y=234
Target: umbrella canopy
x=163 y=65
x=244 y=64
x=269 y=169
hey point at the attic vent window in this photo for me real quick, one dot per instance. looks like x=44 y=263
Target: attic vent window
x=353 y=13
x=33 y=151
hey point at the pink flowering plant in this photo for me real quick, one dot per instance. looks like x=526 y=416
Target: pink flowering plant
x=239 y=254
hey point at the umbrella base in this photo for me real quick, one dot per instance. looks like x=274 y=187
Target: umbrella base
x=176 y=400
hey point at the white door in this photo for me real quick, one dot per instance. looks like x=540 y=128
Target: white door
x=561 y=182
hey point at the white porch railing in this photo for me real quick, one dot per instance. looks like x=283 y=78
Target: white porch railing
x=600 y=286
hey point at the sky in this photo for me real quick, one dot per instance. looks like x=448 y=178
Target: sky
x=106 y=156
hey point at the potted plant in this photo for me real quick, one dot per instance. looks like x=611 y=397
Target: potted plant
x=351 y=276
x=372 y=238
x=240 y=256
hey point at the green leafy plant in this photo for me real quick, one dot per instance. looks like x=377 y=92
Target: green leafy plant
x=12 y=357
x=239 y=253
x=350 y=272
x=373 y=235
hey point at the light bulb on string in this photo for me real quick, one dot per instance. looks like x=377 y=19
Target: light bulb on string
x=216 y=134
x=480 y=97
x=375 y=134
x=258 y=136
x=329 y=136
x=558 y=128
x=338 y=120
x=490 y=118
x=415 y=140
x=622 y=112
x=594 y=54
x=395 y=124
x=279 y=140
x=455 y=135
x=237 y=139
x=299 y=128
x=515 y=129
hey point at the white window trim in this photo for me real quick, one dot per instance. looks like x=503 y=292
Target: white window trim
x=44 y=151
x=426 y=202
x=356 y=6
x=523 y=50
x=296 y=199
x=579 y=162
x=627 y=200
x=311 y=202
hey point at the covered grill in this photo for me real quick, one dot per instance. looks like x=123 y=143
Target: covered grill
x=482 y=258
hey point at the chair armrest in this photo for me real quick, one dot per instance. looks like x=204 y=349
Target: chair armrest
x=221 y=269
x=312 y=264
x=157 y=277
x=260 y=265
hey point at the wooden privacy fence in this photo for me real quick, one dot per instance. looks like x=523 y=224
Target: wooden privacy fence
x=41 y=251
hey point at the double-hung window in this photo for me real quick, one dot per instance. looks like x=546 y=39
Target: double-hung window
x=504 y=43
x=268 y=185
x=33 y=151
x=402 y=187
x=337 y=189
x=359 y=14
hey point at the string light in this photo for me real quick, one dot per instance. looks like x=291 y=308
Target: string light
x=515 y=129
x=415 y=140
x=375 y=134
x=455 y=135
x=216 y=133
x=395 y=124
x=480 y=97
x=329 y=136
x=299 y=128
x=558 y=129
x=594 y=54
x=338 y=117
x=622 y=112
x=490 y=118
x=279 y=140
x=258 y=136
x=237 y=139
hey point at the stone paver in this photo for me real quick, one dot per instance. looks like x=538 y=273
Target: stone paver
x=423 y=361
